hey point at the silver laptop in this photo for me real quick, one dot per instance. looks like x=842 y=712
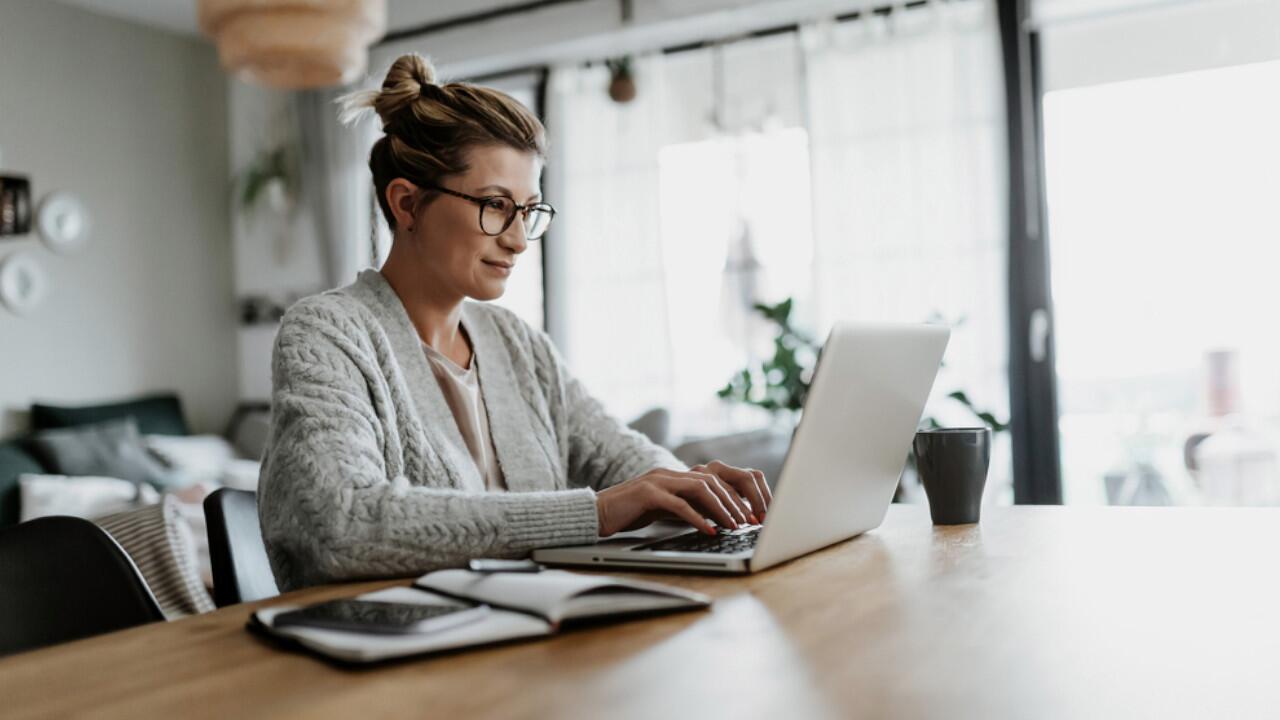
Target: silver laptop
x=841 y=470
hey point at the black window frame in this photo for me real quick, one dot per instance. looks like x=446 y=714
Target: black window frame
x=1033 y=395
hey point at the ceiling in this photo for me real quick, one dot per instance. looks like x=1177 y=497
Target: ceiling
x=180 y=15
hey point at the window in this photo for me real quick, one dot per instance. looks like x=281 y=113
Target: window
x=735 y=231
x=524 y=287
x=841 y=166
x=1163 y=236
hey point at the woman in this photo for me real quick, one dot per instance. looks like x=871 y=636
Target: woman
x=413 y=429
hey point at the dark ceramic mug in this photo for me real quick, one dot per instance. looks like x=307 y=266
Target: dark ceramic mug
x=952 y=463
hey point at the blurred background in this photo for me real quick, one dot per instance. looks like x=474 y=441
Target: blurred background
x=1085 y=190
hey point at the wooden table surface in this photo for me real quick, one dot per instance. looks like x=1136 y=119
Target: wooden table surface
x=1034 y=613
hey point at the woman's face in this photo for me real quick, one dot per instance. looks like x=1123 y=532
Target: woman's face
x=450 y=249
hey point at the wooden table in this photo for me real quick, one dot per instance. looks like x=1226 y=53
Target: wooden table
x=1035 y=613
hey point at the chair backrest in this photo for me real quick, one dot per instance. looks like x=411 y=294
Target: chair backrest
x=241 y=571
x=64 y=578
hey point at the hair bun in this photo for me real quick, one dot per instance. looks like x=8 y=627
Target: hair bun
x=407 y=80
x=410 y=68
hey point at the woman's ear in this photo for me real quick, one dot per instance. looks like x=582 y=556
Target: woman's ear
x=402 y=198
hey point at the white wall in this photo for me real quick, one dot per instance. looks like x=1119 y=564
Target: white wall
x=1149 y=38
x=133 y=121
x=276 y=256
x=594 y=29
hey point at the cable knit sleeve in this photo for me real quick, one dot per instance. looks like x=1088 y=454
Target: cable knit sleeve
x=601 y=451
x=333 y=504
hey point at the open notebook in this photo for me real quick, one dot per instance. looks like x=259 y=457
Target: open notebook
x=524 y=605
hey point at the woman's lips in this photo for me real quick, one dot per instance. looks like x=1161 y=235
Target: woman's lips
x=503 y=269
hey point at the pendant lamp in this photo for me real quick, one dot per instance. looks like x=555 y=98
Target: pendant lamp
x=294 y=44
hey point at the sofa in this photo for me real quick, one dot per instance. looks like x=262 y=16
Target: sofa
x=159 y=414
x=161 y=526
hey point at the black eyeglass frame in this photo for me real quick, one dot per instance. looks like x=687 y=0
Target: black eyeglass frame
x=517 y=209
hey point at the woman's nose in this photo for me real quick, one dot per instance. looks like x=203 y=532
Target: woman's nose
x=515 y=238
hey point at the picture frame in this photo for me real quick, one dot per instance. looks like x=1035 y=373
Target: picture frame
x=15 y=205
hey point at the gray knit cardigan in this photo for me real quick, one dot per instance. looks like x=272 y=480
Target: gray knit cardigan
x=366 y=474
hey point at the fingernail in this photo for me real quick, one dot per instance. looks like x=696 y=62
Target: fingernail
x=752 y=518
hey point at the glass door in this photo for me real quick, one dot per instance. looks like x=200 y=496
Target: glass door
x=1163 y=198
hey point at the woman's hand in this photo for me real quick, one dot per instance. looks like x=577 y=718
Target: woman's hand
x=747 y=482
x=706 y=491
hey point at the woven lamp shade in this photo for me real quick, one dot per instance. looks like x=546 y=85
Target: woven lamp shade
x=294 y=44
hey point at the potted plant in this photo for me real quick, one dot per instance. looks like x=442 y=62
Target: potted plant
x=780 y=383
x=622 y=84
x=271 y=176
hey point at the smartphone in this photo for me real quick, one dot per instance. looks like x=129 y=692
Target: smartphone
x=381 y=618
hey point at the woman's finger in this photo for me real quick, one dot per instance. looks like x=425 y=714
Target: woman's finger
x=729 y=495
x=744 y=481
x=694 y=487
x=680 y=508
x=762 y=487
x=738 y=503
x=763 y=484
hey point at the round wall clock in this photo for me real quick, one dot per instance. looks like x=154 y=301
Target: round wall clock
x=62 y=222
x=22 y=283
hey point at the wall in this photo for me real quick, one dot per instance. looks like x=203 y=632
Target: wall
x=133 y=121
x=276 y=254
x=1156 y=38
x=595 y=29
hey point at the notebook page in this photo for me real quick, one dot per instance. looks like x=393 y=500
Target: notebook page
x=551 y=593
x=498 y=625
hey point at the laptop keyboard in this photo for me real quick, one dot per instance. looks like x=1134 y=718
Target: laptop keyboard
x=724 y=541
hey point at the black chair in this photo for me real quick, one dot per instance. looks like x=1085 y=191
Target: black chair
x=64 y=578
x=241 y=571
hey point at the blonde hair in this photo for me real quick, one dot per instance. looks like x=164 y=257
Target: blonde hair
x=428 y=127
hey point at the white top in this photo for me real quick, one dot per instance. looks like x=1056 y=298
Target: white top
x=461 y=390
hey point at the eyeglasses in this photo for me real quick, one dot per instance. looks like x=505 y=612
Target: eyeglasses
x=497 y=212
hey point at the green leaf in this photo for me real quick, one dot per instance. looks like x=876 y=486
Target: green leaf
x=996 y=425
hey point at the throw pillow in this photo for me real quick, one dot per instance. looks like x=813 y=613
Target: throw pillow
x=208 y=460
x=111 y=449
x=242 y=475
x=195 y=458
x=161 y=545
x=86 y=497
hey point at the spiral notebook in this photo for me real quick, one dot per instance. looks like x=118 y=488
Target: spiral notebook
x=523 y=605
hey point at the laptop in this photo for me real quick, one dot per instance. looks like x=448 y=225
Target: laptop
x=842 y=468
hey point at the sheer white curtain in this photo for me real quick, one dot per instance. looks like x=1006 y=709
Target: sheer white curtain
x=606 y=279
x=652 y=196
x=524 y=294
x=906 y=123
x=736 y=207
x=336 y=186
x=865 y=162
